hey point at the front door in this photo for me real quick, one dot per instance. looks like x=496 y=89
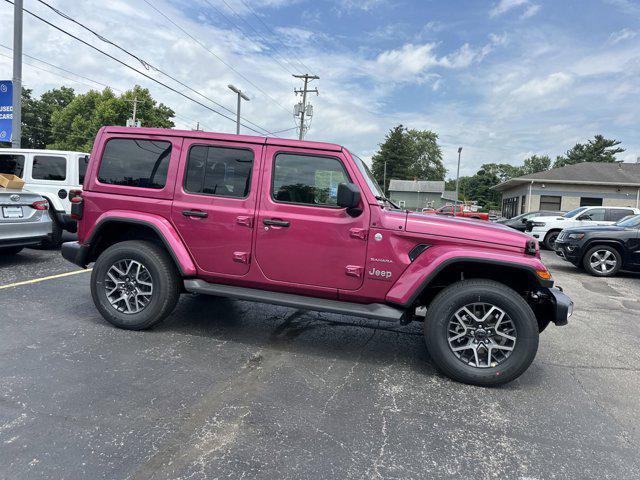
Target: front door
x=214 y=204
x=303 y=237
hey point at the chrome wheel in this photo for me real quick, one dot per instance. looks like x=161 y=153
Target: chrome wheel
x=603 y=261
x=129 y=286
x=481 y=335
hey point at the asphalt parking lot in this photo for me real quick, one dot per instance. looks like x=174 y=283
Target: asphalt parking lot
x=230 y=389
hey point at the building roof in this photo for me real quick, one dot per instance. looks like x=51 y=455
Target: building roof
x=449 y=195
x=589 y=173
x=426 y=186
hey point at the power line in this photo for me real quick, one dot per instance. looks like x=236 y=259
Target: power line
x=144 y=63
x=134 y=69
x=255 y=14
x=214 y=55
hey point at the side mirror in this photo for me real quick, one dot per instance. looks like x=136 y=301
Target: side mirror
x=524 y=220
x=349 y=198
x=584 y=217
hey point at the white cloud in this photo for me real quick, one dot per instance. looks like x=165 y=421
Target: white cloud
x=542 y=86
x=505 y=6
x=622 y=35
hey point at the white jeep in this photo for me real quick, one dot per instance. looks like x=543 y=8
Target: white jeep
x=52 y=174
x=546 y=229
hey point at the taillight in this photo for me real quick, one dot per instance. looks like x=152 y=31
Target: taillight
x=75 y=197
x=40 y=205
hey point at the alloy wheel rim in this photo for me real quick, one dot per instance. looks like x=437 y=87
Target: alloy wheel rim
x=603 y=261
x=481 y=335
x=129 y=286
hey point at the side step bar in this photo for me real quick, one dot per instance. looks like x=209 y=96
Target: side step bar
x=376 y=311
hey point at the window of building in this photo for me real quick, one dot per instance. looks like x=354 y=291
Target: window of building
x=593 y=214
x=135 y=163
x=220 y=171
x=590 y=202
x=617 y=214
x=46 y=167
x=510 y=207
x=308 y=180
x=83 y=163
x=550 y=202
x=402 y=203
x=523 y=202
x=12 y=164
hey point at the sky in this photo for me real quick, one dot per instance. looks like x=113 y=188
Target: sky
x=504 y=79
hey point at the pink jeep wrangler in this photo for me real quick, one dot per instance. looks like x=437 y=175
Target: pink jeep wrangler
x=302 y=224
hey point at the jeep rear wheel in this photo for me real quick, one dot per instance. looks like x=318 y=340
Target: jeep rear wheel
x=134 y=285
x=481 y=332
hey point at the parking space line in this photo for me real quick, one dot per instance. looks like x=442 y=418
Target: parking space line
x=42 y=279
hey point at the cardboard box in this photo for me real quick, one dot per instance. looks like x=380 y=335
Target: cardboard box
x=11 y=181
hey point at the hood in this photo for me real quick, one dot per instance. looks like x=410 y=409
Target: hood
x=549 y=218
x=601 y=228
x=467 y=229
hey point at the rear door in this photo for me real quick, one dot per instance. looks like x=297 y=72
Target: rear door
x=616 y=214
x=302 y=236
x=49 y=175
x=214 y=203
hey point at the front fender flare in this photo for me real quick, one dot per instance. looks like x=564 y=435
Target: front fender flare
x=417 y=277
x=163 y=228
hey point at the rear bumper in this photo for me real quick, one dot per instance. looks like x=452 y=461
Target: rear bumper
x=25 y=233
x=75 y=252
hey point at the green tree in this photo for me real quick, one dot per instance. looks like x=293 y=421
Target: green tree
x=36 y=115
x=599 y=149
x=503 y=171
x=75 y=126
x=535 y=164
x=409 y=154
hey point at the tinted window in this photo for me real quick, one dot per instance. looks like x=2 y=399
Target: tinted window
x=631 y=222
x=12 y=164
x=550 y=202
x=594 y=215
x=590 y=202
x=574 y=212
x=135 y=163
x=617 y=214
x=219 y=171
x=306 y=179
x=46 y=167
x=83 y=163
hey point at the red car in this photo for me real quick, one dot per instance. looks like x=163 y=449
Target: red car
x=461 y=211
x=302 y=224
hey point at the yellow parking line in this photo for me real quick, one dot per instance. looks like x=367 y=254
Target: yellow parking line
x=42 y=279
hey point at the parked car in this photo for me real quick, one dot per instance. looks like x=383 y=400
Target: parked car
x=602 y=251
x=547 y=228
x=461 y=211
x=52 y=174
x=24 y=220
x=302 y=224
x=520 y=222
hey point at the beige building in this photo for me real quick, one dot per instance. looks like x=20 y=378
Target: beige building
x=566 y=188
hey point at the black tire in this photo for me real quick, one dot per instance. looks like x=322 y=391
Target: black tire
x=165 y=279
x=55 y=239
x=454 y=297
x=550 y=239
x=10 y=250
x=609 y=272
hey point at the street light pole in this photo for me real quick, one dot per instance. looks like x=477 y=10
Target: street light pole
x=241 y=96
x=455 y=206
x=16 y=122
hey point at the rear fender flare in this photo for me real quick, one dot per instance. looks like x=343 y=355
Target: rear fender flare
x=418 y=276
x=160 y=225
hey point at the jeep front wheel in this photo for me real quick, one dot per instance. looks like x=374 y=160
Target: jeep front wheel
x=481 y=332
x=134 y=285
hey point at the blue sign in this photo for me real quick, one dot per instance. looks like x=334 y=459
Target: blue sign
x=6 y=109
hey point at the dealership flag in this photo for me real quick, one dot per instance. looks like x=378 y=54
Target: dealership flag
x=6 y=109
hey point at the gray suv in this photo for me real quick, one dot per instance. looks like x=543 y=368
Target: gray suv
x=24 y=220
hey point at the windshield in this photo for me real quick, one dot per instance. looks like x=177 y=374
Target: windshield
x=629 y=222
x=368 y=176
x=574 y=212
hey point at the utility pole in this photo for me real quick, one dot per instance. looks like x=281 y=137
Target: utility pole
x=384 y=180
x=241 y=96
x=455 y=206
x=16 y=122
x=131 y=122
x=301 y=109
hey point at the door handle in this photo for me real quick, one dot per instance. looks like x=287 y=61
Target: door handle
x=195 y=213
x=275 y=223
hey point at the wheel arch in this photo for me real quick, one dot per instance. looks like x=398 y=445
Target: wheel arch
x=605 y=242
x=109 y=231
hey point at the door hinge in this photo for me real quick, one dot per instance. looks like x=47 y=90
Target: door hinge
x=245 y=220
x=353 y=271
x=360 y=233
x=241 y=257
